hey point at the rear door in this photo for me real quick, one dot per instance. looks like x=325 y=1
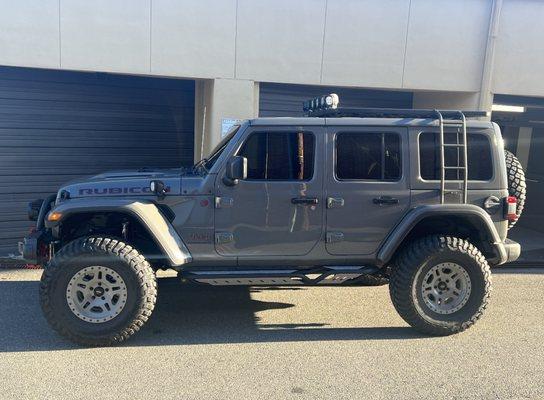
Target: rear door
x=366 y=185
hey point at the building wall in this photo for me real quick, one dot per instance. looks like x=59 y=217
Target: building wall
x=400 y=44
x=519 y=62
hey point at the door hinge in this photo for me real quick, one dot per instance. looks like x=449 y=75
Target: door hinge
x=334 y=237
x=335 y=202
x=223 y=202
x=224 y=237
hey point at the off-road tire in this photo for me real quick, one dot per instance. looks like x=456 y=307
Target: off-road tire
x=411 y=266
x=123 y=259
x=516 y=183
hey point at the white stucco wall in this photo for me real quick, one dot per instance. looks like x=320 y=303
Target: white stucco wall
x=29 y=33
x=401 y=44
x=519 y=66
x=446 y=44
x=105 y=35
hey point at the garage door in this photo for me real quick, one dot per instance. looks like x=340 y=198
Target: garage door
x=282 y=100
x=56 y=126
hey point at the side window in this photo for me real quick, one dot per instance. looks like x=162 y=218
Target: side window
x=368 y=156
x=480 y=162
x=281 y=156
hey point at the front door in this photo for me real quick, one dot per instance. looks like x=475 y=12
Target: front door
x=366 y=185
x=278 y=209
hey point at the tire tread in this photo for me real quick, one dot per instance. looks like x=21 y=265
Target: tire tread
x=403 y=272
x=92 y=245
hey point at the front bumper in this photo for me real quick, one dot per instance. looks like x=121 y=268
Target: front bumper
x=35 y=247
x=32 y=247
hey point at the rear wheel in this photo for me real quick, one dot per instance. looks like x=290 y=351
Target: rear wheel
x=440 y=285
x=98 y=291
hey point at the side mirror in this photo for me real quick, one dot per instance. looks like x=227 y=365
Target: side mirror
x=158 y=188
x=236 y=170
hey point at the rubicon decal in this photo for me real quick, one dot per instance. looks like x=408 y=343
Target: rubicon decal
x=114 y=190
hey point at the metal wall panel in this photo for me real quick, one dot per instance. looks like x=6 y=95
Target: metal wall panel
x=56 y=126
x=284 y=100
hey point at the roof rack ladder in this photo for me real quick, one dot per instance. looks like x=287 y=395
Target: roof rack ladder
x=460 y=123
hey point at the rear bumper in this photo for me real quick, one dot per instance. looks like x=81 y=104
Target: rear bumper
x=508 y=251
x=513 y=250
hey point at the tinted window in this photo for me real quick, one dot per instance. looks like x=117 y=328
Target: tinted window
x=480 y=165
x=370 y=156
x=279 y=155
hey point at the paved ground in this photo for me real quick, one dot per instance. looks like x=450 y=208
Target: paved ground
x=309 y=343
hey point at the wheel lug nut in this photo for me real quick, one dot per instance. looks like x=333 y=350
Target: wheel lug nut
x=103 y=298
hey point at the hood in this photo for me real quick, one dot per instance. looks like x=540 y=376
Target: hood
x=124 y=183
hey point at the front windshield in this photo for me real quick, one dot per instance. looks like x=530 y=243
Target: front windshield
x=208 y=163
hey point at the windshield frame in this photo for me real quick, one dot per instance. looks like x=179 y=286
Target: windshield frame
x=219 y=148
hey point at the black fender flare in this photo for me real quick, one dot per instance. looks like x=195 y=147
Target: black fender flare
x=413 y=217
x=146 y=212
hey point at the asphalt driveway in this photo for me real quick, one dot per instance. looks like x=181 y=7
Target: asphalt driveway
x=249 y=343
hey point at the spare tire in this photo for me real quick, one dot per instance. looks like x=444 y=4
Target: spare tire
x=516 y=183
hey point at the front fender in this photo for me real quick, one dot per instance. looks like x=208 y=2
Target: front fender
x=145 y=212
x=418 y=214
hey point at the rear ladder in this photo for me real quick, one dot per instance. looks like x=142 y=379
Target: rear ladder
x=458 y=121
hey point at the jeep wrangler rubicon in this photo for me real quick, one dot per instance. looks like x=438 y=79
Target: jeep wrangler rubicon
x=419 y=199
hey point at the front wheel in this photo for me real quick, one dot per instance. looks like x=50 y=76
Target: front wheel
x=440 y=285
x=98 y=291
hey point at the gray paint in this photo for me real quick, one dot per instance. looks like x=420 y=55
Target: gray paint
x=263 y=227
x=363 y=235
x=57 y=126
x=262 y=218
x=469 y=211
x=164 y=235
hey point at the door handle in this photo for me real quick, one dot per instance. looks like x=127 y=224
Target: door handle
x=305 y=200
x=385 y=200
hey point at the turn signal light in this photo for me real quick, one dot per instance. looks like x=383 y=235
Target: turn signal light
x=54 y=216
x=511 y=208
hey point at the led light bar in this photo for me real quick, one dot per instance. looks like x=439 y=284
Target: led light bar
x=326 y=102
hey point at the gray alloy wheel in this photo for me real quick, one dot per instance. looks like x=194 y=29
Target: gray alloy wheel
x=96 y=294
x=445 y=288
x=98 y=291
x=440 y=284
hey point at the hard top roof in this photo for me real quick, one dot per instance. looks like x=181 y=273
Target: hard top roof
x=354 y=121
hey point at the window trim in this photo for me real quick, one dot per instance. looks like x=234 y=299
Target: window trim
x=487 y=136
x=383 y=133
x=288 y=131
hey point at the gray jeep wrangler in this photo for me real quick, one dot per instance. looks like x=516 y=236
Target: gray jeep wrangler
x=419 y=199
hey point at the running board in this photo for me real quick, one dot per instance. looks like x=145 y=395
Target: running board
x=322 y=276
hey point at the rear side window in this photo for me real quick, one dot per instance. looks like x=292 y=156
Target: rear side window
x=281 y=156
x=480 y=162
x=368 y=156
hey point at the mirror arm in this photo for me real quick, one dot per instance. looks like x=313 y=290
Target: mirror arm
x=230 y=182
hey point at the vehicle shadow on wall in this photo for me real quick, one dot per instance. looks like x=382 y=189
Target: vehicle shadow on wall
x=184 y=315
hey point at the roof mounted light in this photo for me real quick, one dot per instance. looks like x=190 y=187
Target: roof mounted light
x=329 y=101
